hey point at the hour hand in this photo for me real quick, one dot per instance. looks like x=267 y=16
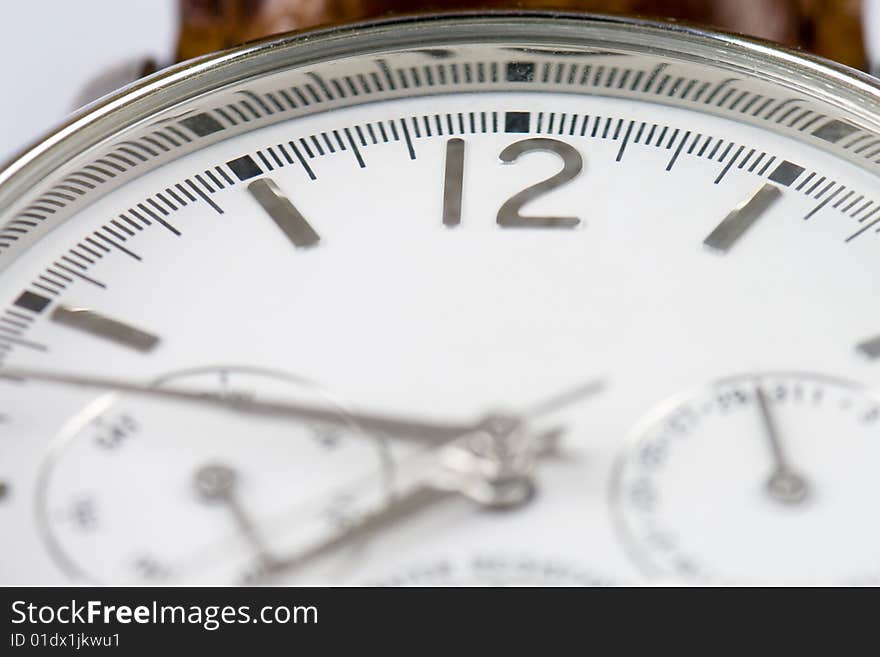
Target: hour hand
x=395 y=511
x=492 y=467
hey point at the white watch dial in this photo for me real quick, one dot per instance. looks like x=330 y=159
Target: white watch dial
x=325 y=335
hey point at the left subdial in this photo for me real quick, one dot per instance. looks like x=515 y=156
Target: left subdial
x=150 y=490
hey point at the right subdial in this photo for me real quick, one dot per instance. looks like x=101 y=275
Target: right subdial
x=765 y=478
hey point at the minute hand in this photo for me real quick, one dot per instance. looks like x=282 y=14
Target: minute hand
x=412 y=430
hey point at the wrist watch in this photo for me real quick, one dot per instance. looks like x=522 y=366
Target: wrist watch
x=380 y=293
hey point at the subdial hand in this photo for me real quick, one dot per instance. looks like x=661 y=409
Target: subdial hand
x=217 y=484
x=785 y=485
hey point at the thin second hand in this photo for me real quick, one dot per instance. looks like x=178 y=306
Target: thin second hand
x=784 y=485
x=578 y=393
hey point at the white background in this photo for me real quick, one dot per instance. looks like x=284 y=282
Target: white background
x=51 y=49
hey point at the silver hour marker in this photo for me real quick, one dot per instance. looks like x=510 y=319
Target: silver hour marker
x=741 y=218
x=283 y=213
x=88 y=321
x=453 y=182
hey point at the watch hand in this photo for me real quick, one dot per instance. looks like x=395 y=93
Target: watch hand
x=785 y=484
x=216 y=484
x=410 y=470
x=399 y=508
x=496 y=479
x=565 y=398
x=428 y=433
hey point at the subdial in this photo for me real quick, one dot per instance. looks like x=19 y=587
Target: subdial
x=142 y=489
x=762 y=478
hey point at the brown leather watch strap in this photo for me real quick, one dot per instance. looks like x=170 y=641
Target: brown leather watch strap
x=831 y=28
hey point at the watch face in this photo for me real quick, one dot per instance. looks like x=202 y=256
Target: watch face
x=502 y=299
